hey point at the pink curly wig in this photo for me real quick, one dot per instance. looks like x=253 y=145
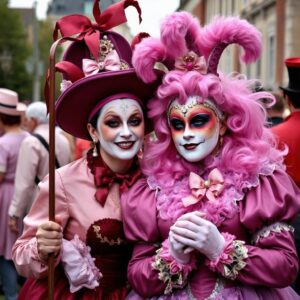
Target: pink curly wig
x=247 y=144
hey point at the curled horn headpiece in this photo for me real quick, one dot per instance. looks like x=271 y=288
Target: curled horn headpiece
x=185 y=46
x=178 y=33
x=216 y=36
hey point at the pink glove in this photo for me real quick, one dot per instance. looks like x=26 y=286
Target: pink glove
x=177 y=250
x=193 y=231
x=79 y=265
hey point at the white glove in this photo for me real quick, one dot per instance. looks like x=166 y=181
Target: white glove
x=193 y=231
x=177 y=250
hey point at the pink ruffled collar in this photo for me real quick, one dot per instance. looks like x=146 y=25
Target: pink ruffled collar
x=169 y=198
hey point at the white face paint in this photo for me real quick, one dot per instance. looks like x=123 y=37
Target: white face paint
x=195 y=129
x=120 y=128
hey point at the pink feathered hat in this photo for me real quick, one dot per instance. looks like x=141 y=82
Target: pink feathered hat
x=96 y=68
x=185 y=46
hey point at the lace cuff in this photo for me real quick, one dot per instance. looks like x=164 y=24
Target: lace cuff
x=170 y=271
x=266 y=231
x=79 y=265
x=231 y=260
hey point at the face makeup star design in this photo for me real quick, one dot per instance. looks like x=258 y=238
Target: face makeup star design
x=195 y=129
x=120 y=127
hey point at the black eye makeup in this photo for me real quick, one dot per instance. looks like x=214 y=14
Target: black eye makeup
x=135 y=121
x=177 y=124
x=112 y=123
x=199 y=120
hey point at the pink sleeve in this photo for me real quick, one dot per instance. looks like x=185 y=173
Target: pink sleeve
x=25 y=175
x=3 y=159
x=140 y=226
x=267 y=212
x=25 y=254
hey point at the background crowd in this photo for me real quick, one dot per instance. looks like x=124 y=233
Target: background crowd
x=24 y=156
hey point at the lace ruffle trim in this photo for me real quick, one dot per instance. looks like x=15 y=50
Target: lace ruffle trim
x=171 y=272
x=232 y=258
x=79 y=265
x=266 y=231
x=169 y=198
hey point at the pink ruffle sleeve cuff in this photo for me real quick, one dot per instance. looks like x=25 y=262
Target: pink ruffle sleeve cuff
x=79 y=265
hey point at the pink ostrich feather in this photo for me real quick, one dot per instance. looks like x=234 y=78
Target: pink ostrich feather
x=231 y=30
x=178 y=33
x=149 y=51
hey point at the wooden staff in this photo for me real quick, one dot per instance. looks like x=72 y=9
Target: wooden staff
x=51 y=109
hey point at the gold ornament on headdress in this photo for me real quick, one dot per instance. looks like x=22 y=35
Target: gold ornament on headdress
x=184 y=108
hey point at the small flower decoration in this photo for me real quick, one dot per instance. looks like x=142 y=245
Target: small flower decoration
x=191 y=62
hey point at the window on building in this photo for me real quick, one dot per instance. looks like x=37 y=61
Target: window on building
x=60 y=7
x=271 y=58
x=258 y=69
x=248 y=71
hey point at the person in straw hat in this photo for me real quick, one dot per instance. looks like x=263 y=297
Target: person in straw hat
x=103 y=101
x=212 y=218
x=11 y=111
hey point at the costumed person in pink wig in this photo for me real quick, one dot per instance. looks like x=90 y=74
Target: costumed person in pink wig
x=103 y=100
x=212 y=218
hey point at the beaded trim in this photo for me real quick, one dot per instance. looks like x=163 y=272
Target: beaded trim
x=219 y=286
x=105 y=240
x=239 y=254
x=184 y=108
x=172 y=280
x=171 y=272
x=266 y=231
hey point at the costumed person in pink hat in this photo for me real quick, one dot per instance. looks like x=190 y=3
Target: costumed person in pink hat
x=11 y=111
x=212 y=218
x=103 y=101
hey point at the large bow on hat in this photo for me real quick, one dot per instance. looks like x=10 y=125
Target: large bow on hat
x=113 y=16
x=210 y=188
x=111 y=62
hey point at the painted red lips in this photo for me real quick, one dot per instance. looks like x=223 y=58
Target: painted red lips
x=191 y=146
x=125 y=145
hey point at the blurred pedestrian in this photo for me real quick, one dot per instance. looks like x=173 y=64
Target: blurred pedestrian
x=71 y=140
x=10 y=122
x=81 y=147
x=30 y=171
x=276 y=111
x=289 y=134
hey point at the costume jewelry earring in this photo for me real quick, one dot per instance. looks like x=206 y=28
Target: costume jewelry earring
x=140 y=153
x=95 y=151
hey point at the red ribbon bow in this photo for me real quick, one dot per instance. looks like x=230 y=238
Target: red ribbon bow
x=105 y=177
x=211 y=188
x=85 y=30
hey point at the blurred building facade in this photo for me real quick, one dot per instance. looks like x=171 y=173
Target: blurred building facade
x=27 y=16
x=59 y=8
x=277 y=20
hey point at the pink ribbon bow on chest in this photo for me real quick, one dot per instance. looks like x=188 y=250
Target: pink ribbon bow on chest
x=111 y=62
x=211 y=188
